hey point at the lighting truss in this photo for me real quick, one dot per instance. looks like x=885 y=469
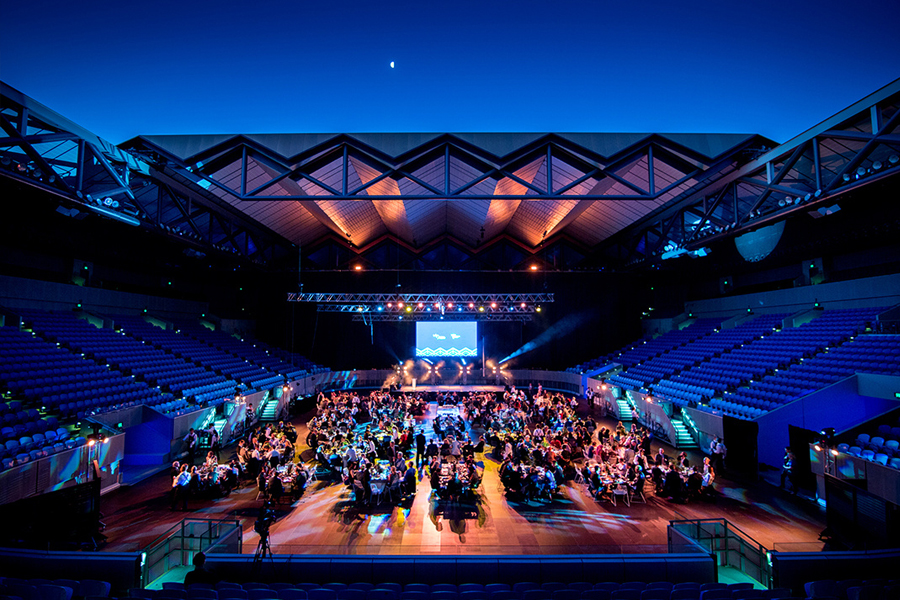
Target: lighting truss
x=428 y=307
x=456 y=299
x=376 y=317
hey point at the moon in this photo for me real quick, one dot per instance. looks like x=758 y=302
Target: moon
x=392 y=64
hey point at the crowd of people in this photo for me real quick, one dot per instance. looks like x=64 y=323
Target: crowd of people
x=379 y=447
x=263 y=455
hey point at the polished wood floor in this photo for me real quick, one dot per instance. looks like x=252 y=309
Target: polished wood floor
x=325 y=520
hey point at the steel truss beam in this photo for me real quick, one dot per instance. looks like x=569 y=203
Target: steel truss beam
x=339 y=155
x=44 y=150
x=858 y=146
x=427 y=299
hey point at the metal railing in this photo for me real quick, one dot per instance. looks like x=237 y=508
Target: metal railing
x=732 y=547
x=177 y=546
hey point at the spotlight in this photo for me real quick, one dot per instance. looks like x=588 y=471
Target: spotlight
x=390 y=305
x=480 y=309
x=860 y=171
x=493 y=305
x=538 y=309
x=437 y=304
x=522 y=305
x=893 y=159
x=877 y=165
x=358 y=267
x=834 y=452
x=818 y=448
x=399 y=305
x=846 y=176
x=421 y=304
x=534 y=267
x=409 y=309
x=449 y=305
x=471 y=305
x=380 y=308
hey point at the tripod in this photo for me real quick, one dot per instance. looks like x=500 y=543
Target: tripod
x=263 y=549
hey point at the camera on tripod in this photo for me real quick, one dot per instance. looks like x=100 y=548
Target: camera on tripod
x=264 y=521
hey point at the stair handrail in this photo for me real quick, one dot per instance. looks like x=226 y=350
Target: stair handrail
x=730 y=544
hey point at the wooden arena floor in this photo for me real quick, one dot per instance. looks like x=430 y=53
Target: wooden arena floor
x=325 y=521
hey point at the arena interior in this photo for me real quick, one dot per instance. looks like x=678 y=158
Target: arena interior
x=452 y=366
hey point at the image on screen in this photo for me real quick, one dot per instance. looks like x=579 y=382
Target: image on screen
x=437 y=338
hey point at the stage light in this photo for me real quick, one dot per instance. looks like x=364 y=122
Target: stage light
x=534 y=267
x=493 y=305
x=538 y=309
x=390 y=305
x=459 y=309
x=92 y=442
x=893 y=159
x=358 y=267
x=522 y=305
x=380 y=308
x=834 y=452
x=846 y=177
x=860 y=171
x=437 y=304
x=471 y=305
x=449 y=305
x=818 y=448
x=480 y=309
x=409 y=309
x=421 y=304
x=399 y=305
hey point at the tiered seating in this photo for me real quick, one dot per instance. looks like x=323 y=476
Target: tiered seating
x=241 y=349
x=853 y=589
x=251 y=376
x=14 y=587
x=762 y=357
x=704 y=348
x=865 y=354
x=291 y=358
x=648 y=349
x=103 y=345
x=63 y=383
x=182 y=377
x=668 y=341
x=523 y=590
x=881 y=446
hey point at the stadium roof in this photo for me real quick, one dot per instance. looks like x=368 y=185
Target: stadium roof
x=472 y=187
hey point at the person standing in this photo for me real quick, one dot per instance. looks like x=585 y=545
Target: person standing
x=787 y=470
x=191 y=440
x=420 y=448
x=719 y=456
x=214 y=441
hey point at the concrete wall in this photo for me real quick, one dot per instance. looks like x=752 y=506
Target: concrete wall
x=16 y=292
x=873 y=291
x=839 y=406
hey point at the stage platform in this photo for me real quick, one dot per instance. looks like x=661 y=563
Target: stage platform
x=452 y=388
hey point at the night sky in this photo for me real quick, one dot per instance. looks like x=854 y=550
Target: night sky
x=122 y=68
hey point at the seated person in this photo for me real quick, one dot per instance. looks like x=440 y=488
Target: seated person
x=200 y=574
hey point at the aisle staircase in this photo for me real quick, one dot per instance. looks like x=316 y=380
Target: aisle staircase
x=268 y=412
x=683 y=437
x=625 y=412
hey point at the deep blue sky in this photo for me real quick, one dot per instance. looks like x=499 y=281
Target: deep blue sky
x=126 y=68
